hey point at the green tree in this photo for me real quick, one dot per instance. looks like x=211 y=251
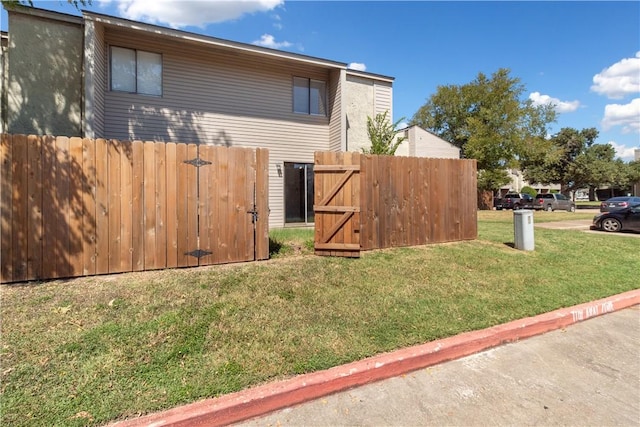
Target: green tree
x=382 y=135
x=556 y=164
x=489 y=121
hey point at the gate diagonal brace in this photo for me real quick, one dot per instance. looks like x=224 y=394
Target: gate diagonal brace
x=198 y=253
x=197 y=162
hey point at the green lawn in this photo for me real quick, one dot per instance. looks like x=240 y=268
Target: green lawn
x=94 y=350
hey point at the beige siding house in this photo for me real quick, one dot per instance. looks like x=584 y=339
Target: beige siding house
x=421 y=143
x=145 y=82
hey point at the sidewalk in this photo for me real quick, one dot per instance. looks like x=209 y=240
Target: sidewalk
x=585 y=375
x=608 y=390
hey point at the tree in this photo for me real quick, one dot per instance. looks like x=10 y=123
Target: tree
x=488 y=121
x=382 y=134
x=555 y=160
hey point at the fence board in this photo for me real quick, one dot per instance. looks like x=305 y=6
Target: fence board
x=161 y=205
x=126 y=208
x=222 y=203
x=102 y=206
x=262 y=204
x=137 y=206
x=114 y=197
x=149 y=206
x=88 y=207
x=192 y=205
x=6 y=208
x=34 y=245
x=172 y=208
x=76 y=211
x=20 y=213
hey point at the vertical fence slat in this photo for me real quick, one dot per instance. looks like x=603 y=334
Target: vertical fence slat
x=161 y=205
x=192 y=205
x=50 y=212
x=222 y=203
x=88 y=207
x=262 y=203
x=102 y=206
x=20 y=228
x=182 y=200
x=115 y=239
x=171 y=211
x=6 y=208
x=76 y=211
x=62 y=230
x=206 y=174
x=34 y=245
x=126 y=207
x=137 y=206
x=149 y=206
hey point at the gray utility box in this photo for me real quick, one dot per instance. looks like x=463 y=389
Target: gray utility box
x=523 y=230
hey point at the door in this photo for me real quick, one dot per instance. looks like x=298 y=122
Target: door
x=298 y=193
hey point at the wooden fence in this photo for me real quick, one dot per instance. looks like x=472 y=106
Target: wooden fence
x=365 y=202
x=75 y=207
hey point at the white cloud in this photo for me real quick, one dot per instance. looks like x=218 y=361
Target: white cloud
x=623 y=152
x=267 y=40
x=560 y=106
x=197 y=13
x=358 y=66
x=620 y=79
x=627 y=116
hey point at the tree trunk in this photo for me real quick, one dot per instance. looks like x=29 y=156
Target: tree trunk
x=485 y=200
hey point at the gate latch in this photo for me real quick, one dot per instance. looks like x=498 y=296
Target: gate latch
x=254 y=214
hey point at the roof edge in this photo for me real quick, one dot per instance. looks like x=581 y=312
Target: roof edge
x=229 y=44
x=370 y=75
x=47 y=14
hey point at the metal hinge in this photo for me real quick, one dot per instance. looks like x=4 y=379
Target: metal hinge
x=197 y=162
x=199 y=253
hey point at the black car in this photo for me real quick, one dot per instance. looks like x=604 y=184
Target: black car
x=618 y=220
x=515 y=201
x=619 y=202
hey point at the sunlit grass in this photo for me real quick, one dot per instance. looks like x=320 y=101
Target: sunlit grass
x=93 y=350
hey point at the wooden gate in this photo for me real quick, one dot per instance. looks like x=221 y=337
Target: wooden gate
x=337 y=204
x=77 y=207
x=367 y=202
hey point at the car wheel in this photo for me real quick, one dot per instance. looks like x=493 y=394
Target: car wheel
x=516 y=207
x=611 y=225
x=571 y=209
x=549 y=208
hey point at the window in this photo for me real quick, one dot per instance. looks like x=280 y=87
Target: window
x=309 y=96
x=136 y=71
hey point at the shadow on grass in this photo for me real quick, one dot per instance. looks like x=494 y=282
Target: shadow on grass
x=274 y=247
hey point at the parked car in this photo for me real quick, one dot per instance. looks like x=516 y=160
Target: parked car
x=553 y=201
x=619 y=202
x=618 y=220
x=515 y=201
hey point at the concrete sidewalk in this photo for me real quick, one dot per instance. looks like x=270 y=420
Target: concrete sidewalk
x=589 y=371
x=585 y=375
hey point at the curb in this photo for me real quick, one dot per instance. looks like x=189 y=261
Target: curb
x=240 y=406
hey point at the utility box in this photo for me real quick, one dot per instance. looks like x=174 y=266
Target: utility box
x=523 y=230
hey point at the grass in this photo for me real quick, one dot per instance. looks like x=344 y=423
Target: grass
x=94 y=350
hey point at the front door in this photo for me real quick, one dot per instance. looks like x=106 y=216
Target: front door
x=298 y=193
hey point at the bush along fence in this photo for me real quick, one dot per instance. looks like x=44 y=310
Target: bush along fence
x=76 y=206
x=366 y=202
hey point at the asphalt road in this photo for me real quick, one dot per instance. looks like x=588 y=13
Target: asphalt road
x=585 y=375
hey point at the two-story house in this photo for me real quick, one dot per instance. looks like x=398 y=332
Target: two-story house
x=100 y=76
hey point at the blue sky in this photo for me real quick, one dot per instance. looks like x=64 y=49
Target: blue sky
x=584 y=57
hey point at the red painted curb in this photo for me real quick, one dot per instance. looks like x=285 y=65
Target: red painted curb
x=261 y=400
